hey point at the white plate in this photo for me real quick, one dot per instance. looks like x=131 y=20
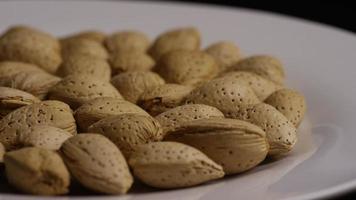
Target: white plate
x=320 y=62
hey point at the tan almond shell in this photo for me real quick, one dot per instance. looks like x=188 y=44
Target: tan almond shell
x=172 y=118
x=163 y=98
x=97 y=163
x=127 y=41
x=235 y=145
x=223 y=94
x=261 y=86
x=37 y=171
x=266 y=66
x=75 y=90
x=85 y=47
x=290 y=103
x=94 y=35
x=33 y=82
x=132 y=84
x=104 y=107
x=9 y=68
x=127 y=131
x=130 y=61
x=30 y=45
x=226 y=54
x=82 y=65
x=173 y=165
x=281 y=133
x=14 y=98
x=43 y=136
x=187 y=67
x=187 y=38
x=52 y=113
x=2 y=153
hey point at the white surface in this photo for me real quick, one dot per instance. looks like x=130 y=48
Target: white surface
x=320 y=62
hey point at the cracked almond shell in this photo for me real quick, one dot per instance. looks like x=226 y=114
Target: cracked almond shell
x=127 y=131
x=225 y=53
x=37 y=171
x=97 y=163
x=75 y=90
x=127 y=41
x=104 y=107
x=173 y=165
x=290 y=103
x=130 y=61
x=30 y=45
x=163 y=98
x=235 y=145
x=132 y=84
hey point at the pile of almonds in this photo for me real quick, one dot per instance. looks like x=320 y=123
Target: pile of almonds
x=105 y=109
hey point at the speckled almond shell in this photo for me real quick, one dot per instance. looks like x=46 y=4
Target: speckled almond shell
x=187 y=67
x=85 y=65
x=127 y=41
x=187 y=38
x=86 y=47
x=97 y=163
x=94 y=35
x=174 y=117
x=30 y=45
x=9 y=68
x=290 y=103
x=266 y=66
x=33 y=82
x=104 y=107
x=127 y=131
x=163 y=98
x=76 y=90
x=261 y=86
x=235 y=145
x=281 y=133
x=37 y=171
x=173 y=165
x=52 y=113
x=14 y=98
x=223 y=94
x=225 y=53
x=2 y=152
x=124 y=61
x=43 y=136
x=132 y=84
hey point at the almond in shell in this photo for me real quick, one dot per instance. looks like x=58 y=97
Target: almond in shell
x=173 y=165
x=225 y=53
x=85 y=47
x=9 y=68
x=127 y=41
x=94 y=35
x=2 y=153
x=130 y=61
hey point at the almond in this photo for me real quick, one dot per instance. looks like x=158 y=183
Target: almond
x=85 y=65
x=52 y=113
x=190 y=112
x=37 y=171
x=163 y=98
x=132 y=84
x=223 y=94
x=127 y=131
x=226 y=54
x=127 y=41
x=30 y=45
x=130 y=61
x=2 y=152
x=236 y=145
x=97 y=163
x=94 y=35
x=34 y=82
x=43 y=136
x=281 y=133
x=187 y=38
x=11 y=99
x=266 y=66
x=9 y=68
x=76 y=90
x=261 y=86
x=104 y=107
x=290 y=103
x=173 y=165
x=85 y=47
x=187 y=67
